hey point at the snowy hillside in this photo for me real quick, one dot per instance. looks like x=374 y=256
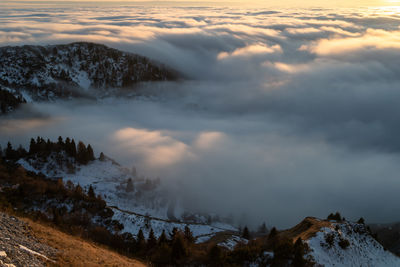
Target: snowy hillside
x=49 y=72
x=137 y=202
x=349 y=244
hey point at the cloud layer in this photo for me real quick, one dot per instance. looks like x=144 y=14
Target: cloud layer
x=284 y=113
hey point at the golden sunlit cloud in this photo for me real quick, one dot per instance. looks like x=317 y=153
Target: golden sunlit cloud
x=157 y=148
x=372 y=39
x=207 y=140
x=251 y=50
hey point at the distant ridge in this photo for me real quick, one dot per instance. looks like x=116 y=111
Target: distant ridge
x=40 y=73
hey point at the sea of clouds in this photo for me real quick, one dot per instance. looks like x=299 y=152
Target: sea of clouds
x=281 y=114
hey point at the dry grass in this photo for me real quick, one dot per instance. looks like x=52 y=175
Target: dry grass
x=74 y=251
x=306 y=229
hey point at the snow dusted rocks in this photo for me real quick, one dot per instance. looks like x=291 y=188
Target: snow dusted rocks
x=18 y=247
x=63 y=71
x=349 y=244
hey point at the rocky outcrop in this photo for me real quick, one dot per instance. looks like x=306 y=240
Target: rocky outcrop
x=18 y=247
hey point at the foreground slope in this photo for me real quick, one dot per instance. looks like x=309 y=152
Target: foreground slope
x=27 y=243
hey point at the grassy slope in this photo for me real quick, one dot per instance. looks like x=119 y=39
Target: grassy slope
x=74 y=251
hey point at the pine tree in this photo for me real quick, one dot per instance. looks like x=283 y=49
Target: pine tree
x=173 y=233
x=10 y=152
x=163 y=238
x=263 y=229
x=90 y=153
x=81 y=154
x=188 y=234
x=129 y=186
x=151 y=241
x=60 y=144
x=299 y=251
x=67 y=146
x=246 y=233
x=21 y=152
x=273 y=233
x=60 y=141
x=72 y=149
x=102 y=157
x=91 y=193
x=178 y=248
x=32 y=147
x=140 y=241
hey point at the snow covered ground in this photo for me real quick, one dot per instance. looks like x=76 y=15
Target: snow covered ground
x=145 y=206
x=230 y=243
x=363 y=250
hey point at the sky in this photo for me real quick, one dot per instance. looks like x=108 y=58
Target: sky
x=284 y=112
x=254 y=3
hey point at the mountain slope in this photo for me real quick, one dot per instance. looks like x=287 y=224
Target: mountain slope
x=342 y=243
x=146 y=206
x=27 y=243
x=50 y=72
x=135 y=202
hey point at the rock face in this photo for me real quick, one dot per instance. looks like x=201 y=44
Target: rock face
x=18 y=247
x=50 y=72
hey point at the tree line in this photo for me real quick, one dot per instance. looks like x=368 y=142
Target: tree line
x=42 y=148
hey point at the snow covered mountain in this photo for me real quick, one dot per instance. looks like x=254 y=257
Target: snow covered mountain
x=54 y=71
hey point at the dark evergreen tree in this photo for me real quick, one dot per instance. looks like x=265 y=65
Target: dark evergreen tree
x=361 y=221
x=67 y=146
x=72 y=149
x=90 y=153
x=178 y=248
x=173 y=233
x=129 y=185
x=102 y=157
x=21 y=152
x=299 y=252
x=140 y=241
x=91 y=193
x=246 y=233
x=81 y=154
x=188 y=234
x=163 y=238
x=151 y=241
x=336 y=216
x=263 y=229
x=10 y=152
x=273 y=233
x=32 y=147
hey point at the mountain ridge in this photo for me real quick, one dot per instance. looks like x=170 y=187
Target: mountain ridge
x=42 y=73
